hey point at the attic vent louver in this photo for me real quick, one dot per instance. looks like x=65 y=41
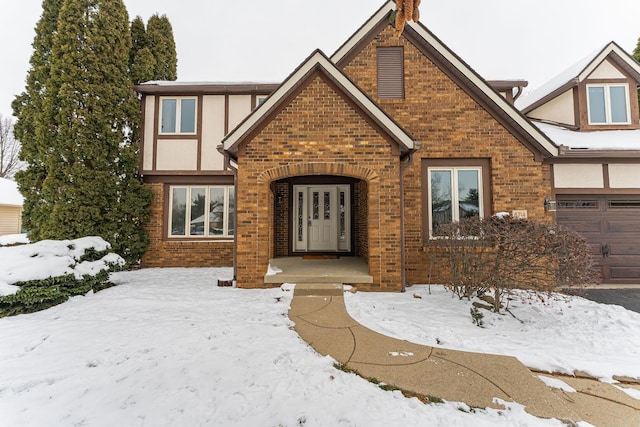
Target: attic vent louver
x=390 y=72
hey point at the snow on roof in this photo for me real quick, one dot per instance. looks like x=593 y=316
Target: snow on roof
x=596 y=140
x=9 y=194
x=556 y=82
x=202 y=83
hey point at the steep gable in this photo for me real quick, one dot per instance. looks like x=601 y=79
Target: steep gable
x=448 y=62
x=317 y=65
x=608 y=63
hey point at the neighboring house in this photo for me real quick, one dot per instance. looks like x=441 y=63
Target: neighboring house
x=591 y=112
x=10 y=207
x=359 y=154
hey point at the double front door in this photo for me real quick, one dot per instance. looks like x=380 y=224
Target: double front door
x=321 y=218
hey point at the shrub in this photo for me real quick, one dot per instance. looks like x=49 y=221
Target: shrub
x=502 y=253
x=36 y=295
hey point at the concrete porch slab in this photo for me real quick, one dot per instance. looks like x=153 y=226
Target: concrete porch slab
x=300 y=271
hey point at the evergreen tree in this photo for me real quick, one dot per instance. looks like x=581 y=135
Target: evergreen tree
x=33 y=128
x=160 y=41
x=91 y=185
x=138 y=37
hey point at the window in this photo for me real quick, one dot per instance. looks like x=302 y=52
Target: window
x=390 y=72
x=178 y=115
x=202 y=211
x=454 y=193
x=608 y=104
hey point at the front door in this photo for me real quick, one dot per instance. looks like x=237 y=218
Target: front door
x=321 y=220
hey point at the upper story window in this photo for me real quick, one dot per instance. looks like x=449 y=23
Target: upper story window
x=608 y=104
x=202 y=211
x=177 y=115
x=390 y=72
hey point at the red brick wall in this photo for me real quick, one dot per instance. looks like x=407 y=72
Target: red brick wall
x=449 y=124
x=163 y=253
x=318 y=133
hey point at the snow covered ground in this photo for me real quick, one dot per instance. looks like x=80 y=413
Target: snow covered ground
x=167 y=347
x=556 y=334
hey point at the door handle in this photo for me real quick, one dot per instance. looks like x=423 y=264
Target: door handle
x=604 y=249
x=309 y=222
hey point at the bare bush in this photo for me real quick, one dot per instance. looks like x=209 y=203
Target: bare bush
x=9 y=149
x=497 y=254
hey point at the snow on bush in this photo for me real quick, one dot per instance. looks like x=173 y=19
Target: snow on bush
x=53 y=258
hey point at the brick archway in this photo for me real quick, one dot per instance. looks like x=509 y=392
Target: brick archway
x=256 y=211
x=302 y=169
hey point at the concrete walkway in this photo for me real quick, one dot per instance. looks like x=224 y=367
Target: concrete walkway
x=321 y=319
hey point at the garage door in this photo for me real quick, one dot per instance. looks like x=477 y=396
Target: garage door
x=611 y=225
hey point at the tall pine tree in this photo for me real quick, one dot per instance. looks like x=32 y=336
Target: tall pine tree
x=92 y=185
x=142 y=63
x=33 y=128
x=159 y=39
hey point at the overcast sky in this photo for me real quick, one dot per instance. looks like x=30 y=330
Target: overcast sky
x=260 y=40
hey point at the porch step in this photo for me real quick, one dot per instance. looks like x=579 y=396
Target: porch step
x=318 y=289
x=350 y=270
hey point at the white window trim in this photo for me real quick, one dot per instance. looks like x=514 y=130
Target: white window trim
x=607 y=103
x=455 y=198
x=179 y=100
x=224 y=235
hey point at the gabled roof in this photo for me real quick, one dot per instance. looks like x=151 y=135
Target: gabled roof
x=578 y=72
x=317 y=62
x=458 y=70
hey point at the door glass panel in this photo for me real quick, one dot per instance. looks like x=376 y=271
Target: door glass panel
x=316 y=205
x=343 y=228
x=216 y=211
x=468 y=194
x=198 y=203
x=441 y=209
x=327 y=205
x=300 y=215
x=178 y=211
x=618 y=100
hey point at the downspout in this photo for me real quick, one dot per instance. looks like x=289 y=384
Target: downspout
x=227 y=161
x=403 y=165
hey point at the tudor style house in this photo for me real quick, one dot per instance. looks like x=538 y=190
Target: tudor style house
x=361 y=154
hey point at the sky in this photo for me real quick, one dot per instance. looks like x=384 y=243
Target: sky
x=263 y=41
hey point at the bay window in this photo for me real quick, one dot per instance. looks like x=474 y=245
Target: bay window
x=201 y=211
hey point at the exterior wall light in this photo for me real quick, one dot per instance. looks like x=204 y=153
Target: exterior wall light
x=549 y=205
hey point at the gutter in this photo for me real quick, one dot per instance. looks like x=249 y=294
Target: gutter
x=403 y=261
x=227 y=162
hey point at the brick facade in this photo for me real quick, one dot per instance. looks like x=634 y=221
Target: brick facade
x=448 y=123
x=318 y=133
x=165 y=253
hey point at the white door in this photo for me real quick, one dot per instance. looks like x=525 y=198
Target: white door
x=322 y=219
